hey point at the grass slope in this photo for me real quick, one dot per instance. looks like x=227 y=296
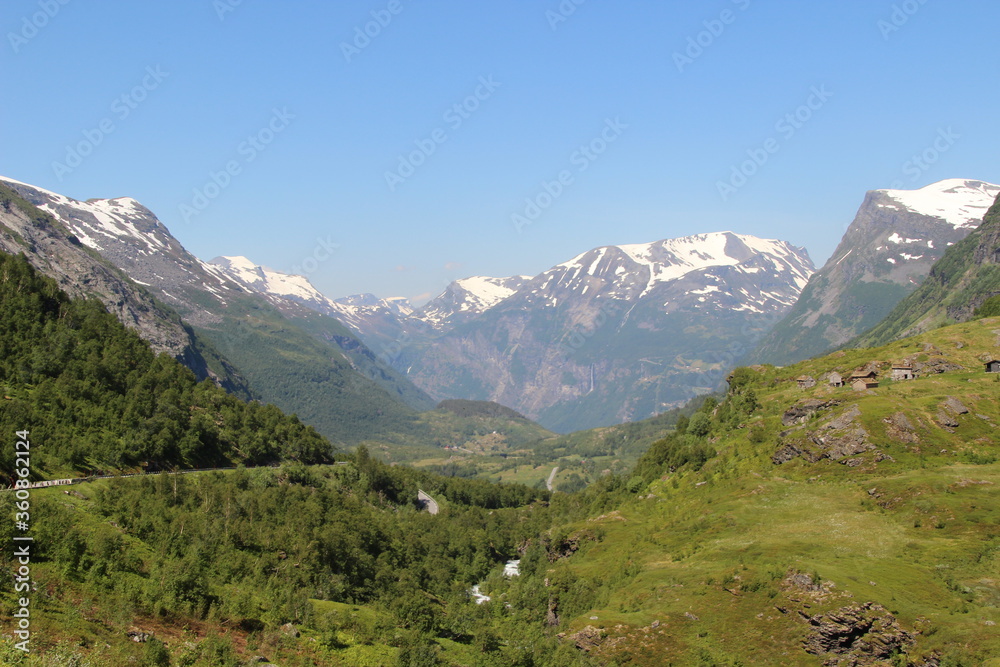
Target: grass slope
x=911 y=524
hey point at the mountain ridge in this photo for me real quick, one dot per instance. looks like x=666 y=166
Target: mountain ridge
x=555 y=349
x=888 y=249
x=293 y=357
x=960 y=282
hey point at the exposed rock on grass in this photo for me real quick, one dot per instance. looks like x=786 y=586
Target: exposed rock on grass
x=839 y=438
x=861 y=634
x=803 y=410
x=900 y=427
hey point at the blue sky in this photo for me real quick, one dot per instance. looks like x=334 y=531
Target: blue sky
x=309 y=115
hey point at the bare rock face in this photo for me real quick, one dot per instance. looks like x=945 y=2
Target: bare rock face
x=900 y=427
x=935 y=365
x=856 y=635
x=803 y=410
x=588 y=638
x=840 y=438
x=82 y=273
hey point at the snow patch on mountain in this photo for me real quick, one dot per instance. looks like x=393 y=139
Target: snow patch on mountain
x=268 y=281
x=484 y=292
x=467 y=297
x=959 y=202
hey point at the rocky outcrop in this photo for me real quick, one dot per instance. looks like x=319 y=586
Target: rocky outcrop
x=899 y=427
x=856 y=635
x=935 y=365
x=588 y=638
x=803 y=410
x=837 y=439
x=948 y=413
x=953 y=405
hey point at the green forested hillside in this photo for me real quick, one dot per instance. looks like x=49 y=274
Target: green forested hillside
x=95 y=397
x=777 y=526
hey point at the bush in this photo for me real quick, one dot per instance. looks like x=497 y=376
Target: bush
x=700 y=425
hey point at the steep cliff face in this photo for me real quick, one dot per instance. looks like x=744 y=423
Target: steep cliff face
x=888 y=250
x=960 y=282
x=81 y=272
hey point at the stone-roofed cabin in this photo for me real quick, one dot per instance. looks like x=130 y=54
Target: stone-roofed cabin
x=805 y=381
x=902 y=372
x=835 y=379
x=861 y=380
x=993 y=366
x=860 y=384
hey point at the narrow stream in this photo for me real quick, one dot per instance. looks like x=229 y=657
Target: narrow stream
x=510 y=569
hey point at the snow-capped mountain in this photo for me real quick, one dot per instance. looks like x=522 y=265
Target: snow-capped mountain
x=380 y=323
x=276 y=286
x=465 y=298
x=631 y=272
x=956 y=201
x=266 y=323
x=59 y=250
x=887 y=251
x=616 y=333
x=132 y=238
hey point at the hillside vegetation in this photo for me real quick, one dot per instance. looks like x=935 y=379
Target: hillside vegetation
x=778 y=526
x=210 y=567
x=798 y=526
x=98 y=398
